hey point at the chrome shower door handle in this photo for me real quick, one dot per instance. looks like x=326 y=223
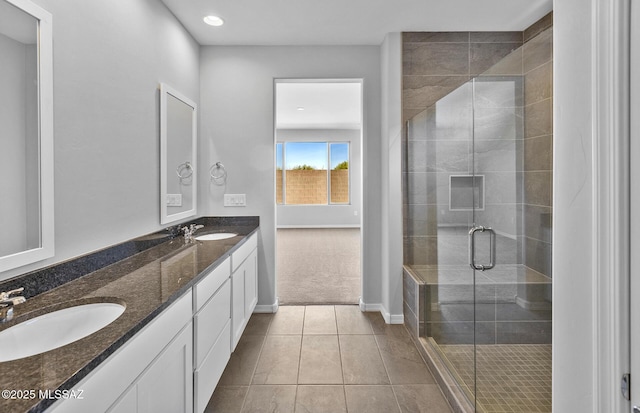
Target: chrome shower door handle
x=472 y=248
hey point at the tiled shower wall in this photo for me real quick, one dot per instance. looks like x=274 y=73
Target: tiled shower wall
x=537 y=65
x=437 y=63
x=434 y=65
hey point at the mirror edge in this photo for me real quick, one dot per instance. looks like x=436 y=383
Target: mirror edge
x=165 y=90
x=45 y=108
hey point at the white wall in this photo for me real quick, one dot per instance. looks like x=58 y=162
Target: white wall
x=326 y=215
x=590 y=237
x=391 y=147
x=237 y=129
x=109 y=58
x=573 y=306
x=591 y=205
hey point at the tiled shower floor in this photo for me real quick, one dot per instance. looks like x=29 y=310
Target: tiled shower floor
x=511 y=377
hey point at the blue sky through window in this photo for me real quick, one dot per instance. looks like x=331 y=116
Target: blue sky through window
x=339 y=153
x=311 y=153
x=306 y=153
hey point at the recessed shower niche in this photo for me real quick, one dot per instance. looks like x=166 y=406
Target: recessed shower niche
x=466 y=192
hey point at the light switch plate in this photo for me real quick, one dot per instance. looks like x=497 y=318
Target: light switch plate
x=174 y=200
x=235 y=200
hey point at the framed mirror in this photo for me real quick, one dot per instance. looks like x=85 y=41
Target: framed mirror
x=26 y=135
x=178 y=144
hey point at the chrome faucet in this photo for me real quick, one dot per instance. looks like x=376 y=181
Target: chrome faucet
x=7 y=302
x=190 y=231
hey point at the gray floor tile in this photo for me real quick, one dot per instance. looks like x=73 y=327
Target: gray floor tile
x=320 y=360
x=371 y=399
x=361 y=361
x=270 y=399
x=279 y=360
x=243 y=361
x=227 y=399
x=296 y=362
x=351 y=320
x=421 y=398
x=402 y=360
x=320 y=399
x=288 y=320
x=258 y=324
x=379 y=326
x=320 y=319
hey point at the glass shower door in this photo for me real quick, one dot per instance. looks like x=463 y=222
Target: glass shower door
x=493 y=238
x=512 y=306
x=478 y=233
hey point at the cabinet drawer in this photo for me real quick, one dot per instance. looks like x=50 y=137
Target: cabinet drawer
x=211 y=320
x=207 y=376
x=243 y=252
x=210 y=284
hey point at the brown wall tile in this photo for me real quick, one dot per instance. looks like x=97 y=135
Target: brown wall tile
x=495 y=37
x=484 y=55
x=424 y=91
x=538 y=51
x=436 y=59
x=538 y=153
x=537 y=188
x=537 y=27
x=538 y=83
x=510 y=65
x=435 y=37
x=538 y=119
x=538 y=222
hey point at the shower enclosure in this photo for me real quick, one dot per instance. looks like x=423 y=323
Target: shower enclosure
x=478 y=237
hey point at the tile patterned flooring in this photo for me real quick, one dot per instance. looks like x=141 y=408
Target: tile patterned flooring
x=333 y=359
x=510 y=377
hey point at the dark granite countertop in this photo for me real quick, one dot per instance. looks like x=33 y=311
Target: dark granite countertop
x=146 y=283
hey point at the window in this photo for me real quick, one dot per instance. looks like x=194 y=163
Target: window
x=312 y=173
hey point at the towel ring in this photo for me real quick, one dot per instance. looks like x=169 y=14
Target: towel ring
x=218 y=173
x=184 y=170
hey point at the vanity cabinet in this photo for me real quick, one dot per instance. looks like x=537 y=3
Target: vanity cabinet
x=153 y=372
x=174 y=363
x=244 y=287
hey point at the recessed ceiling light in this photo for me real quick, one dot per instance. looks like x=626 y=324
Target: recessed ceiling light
x=300 y=108
x=213 y=20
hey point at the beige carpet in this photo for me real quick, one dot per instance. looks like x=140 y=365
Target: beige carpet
x=318 y=266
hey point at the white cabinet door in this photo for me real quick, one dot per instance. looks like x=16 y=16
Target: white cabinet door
x=206 y=377
x=127 y=403
x=237 y=306
x=250 y=283
x=167 y=385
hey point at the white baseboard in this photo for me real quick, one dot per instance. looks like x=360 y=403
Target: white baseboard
x=268 y=309
x=388 y=318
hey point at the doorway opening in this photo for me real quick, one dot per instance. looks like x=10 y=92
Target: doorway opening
x=318 y=145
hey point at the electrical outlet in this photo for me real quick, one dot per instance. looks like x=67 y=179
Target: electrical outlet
x=174 y=200
x=235 y=200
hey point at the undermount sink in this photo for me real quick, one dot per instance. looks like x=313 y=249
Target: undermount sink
x=56 y=329
x=216 y=237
